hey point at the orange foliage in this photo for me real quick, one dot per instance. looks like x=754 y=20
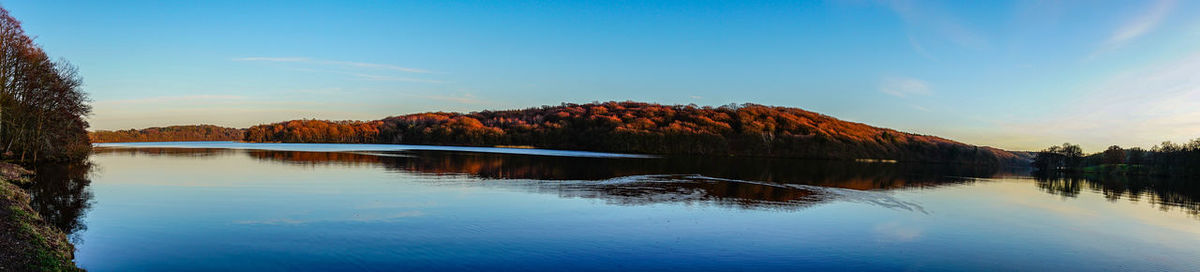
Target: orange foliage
x=168 y=134
x=315 y=131
x=748 y=129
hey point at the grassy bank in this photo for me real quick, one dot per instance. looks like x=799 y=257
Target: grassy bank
x=1117 y=169
x=28 y=243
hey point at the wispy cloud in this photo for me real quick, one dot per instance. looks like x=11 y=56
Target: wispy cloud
x=320 y=91
x=944 y=24
x=904 y=86
x=168 y=99
x=1138 y=26
x=920 y=49
x=358 y=70
x=898 y=232
x=355 y=218
x=193 y=103
x=393 y=78
x=1141 y=107
x=272 y=59
x=377 y=66
x=335 y=62
x=226 y=110
x=463 y=99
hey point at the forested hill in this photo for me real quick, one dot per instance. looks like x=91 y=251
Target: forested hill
x=168 y=134
x=633 y=127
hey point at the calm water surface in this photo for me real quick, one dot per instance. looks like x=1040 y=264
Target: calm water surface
x=195 y=207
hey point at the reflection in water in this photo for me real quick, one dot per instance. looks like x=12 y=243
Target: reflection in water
x=850 y=175
x=772 y=178
x=727 y=186
x=736 y=182
x=741 y=183
x=317 y=158
x=169 y=151
x=745 y=183
x=224 y=210
x=1164 y=193
x=650 y=189
x=61 y=195
x=641 y=190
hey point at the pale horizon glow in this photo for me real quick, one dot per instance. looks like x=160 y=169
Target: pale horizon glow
x=1018 y=75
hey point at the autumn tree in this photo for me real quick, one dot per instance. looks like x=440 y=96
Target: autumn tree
x=41 y=104
x=168 y=134
x=1114 y=155
x=634 y=127
x=1066 y=157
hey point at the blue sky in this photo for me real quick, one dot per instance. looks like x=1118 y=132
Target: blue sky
x=1017 y=75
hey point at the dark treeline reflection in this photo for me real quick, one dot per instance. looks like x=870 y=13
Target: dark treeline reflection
x=1165 y=193
x=771 y=182
x=740 y=182
x=841 y=174
x=176 y=152
x=643 y=190
x=61 y=194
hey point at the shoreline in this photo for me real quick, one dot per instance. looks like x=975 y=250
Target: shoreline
x=28 y=242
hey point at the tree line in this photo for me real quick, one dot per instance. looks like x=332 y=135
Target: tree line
x=635 y=127
x=1166 y=159
x=41 y=103
x=168 y=134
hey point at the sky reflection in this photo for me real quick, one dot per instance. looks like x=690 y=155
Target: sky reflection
x=241 y=210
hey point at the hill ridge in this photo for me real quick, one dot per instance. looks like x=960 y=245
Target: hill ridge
x=625 y=127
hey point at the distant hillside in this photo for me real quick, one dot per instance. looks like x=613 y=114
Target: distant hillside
x=633 y=127
x=168 y=134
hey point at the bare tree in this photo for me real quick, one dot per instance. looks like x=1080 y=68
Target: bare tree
x=41 y=103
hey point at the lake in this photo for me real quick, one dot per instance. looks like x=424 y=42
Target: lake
x=226 y=206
